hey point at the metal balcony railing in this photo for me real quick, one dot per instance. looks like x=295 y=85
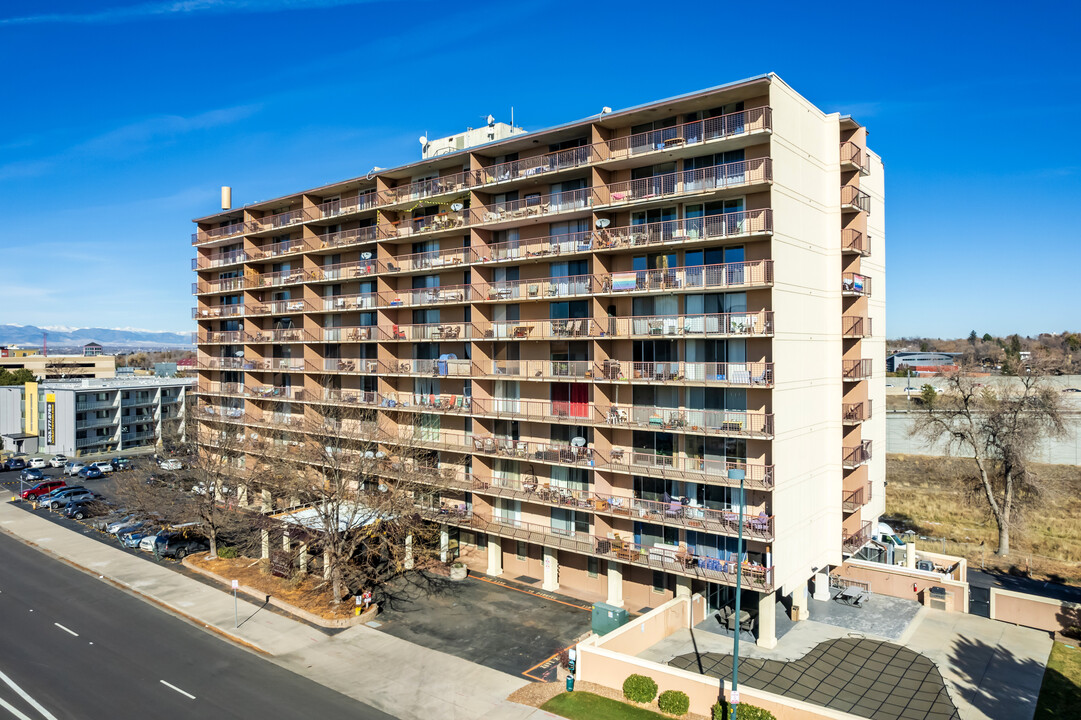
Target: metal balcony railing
x=631 y=460
x=278 y=249
x=343 y=238
x=852 y=198
x=442 y=295
x=855 y=241
x=432 y=187
x=676 y=326
x=854 y=500
x=855 y=370
x=346 y=303
x=722 y=275
x=533 y=206
x=854 y=284
x=692 y=133
x=538 y=165
x=217 y=311
x=687 y=182
x=737 y=374
x=856 y=455
x=851 y=542
x=854 y=157
x=280 y=335
x=855 y=327
x=433 y=260
x=856 y=412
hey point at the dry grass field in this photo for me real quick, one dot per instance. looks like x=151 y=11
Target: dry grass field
x=938 y=498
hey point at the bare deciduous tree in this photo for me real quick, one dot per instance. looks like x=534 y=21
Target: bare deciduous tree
x=999 y=427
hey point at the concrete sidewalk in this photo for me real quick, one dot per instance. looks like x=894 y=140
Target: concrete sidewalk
x=393 y=675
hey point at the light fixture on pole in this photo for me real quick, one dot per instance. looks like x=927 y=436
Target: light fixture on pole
x=735 y=474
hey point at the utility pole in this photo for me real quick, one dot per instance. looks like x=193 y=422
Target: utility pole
x=737 y=475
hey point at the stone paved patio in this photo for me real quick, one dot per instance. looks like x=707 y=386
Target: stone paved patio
x=870 y=678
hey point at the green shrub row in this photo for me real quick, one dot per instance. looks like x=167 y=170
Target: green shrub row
x=746 y=712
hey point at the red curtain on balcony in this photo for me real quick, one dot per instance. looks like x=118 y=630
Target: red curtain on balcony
x=570 y=400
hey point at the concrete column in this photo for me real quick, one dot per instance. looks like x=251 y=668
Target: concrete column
x=799 y=604
x=408 y=552
x=910 y=554
x=615 y=584
x=304 y=557
x=683 y=586
x=822 y=586
x=551 y=570
x=767 y=620
x=444 y=543
x=495 y=556
x=326 y=565
x=265 y=538
x=285 y=541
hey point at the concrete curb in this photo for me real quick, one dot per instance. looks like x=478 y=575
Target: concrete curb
x=304 y=615
x=121 y=585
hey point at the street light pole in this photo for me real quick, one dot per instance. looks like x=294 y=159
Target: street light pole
x=737 y=475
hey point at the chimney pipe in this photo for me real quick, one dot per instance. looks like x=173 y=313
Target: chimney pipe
x=226 y=197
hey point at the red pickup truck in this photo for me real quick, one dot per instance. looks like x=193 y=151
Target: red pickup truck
x=41 y=488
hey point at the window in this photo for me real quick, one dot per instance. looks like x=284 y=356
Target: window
x=593 y=566
x=659 y=581
x=520 y=550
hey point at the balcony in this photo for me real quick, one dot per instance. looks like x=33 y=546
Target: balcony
x=343 y=271
x=853 y=157
x=855 y=285
x=218 y=259
x=427 y=224
x=690 y=326
x=533 y=207
x=225 y=337
x=448 y=331
x=753 y=273
x=348 y=303
x=220 y=233
x=853 y=326
x=280 y=307
x=225 y=389
x=205 y=287
x=731 y=423
x=536 y=329
x=854 y=500
x=427 y=368
x=855 y=200
x=713 y=227
x=713 y=520
x=443 y=403
x=733 y=374
x=687 y=182
x=360 y=366
x=277 y=279
x=345 y=238
x=364 y=200
x=425 y=261
x=710 y=471
x=550 y=453
x=546 y=247
x=851 y=542
x=856 y=455
x=539 y=288
x=853 y=241
x=349 y=334
x=279 y=249
x=217 y=311
x=282 y=220
x=417 y=297
x=658 y=557
x=855 y=370
x=430 y=188
x=280 y=335
x=855 y=413
x=752 y=120
x=351 y=397
x=221 y=363
x=537 y=165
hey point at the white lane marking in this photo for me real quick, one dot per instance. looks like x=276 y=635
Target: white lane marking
x=11 y=709
x=22 y=693
x=174 y=687
x=71 y=632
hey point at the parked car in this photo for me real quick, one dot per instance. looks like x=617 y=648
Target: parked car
x=58 y=461
x=122 y=463
x=80 y=509
x=37 y=463
x=42 y=488
x=178 y=545
x=147 y=543
x=104 y=465
x=73 y=467
x=171 y=464
x=91 y=473
x=133 y=537
x=59 y=498
x=126 y=521
x=31 y=475
x=15 y=463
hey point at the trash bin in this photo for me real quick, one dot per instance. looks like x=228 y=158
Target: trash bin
x=570 y=683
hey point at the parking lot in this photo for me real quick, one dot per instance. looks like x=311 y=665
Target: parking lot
x=496 y=625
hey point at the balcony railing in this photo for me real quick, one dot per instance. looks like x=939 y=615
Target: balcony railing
x=692 y=133
x=722 y=275
x=220 y=388
x=851 y=542
x=365 y=200
x=636 y=461
x=536 y=329
x=275 y=279
x=447 y=331
x=343 y=238
x=343 y=271
x=855 y=241
x=281 y=307
x=732 y=224
x=852 y=198
x=856 y=455
x=431 y=368
x=281 y=335
x=552 y=453
x=538 y=288
x=854 y=500
x=217 y=311
x=708 y=179
x=350 y=334
x=285 y=219
x=738 y=374
x=533 y=206
x=354 y=397
x=538 y=369
x=218 y=259
x=715 y=422
x=855 y=370
x=229 y=337
x=856 y=412
x=281 y=392
x=347 y=303
x=537 y=165
x=232 y=284
x=551 y=245
x=855 y=327
x=433 y=260
x=854 y=284
x=366 y=366
x=853 y=156
x=455 y=403
x=220 y=233
x=286 y=247
x=442 y=295
x=706 y=325
x=432 y=187
x=428 y=223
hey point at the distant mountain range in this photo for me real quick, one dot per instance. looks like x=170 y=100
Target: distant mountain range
x=116 y=337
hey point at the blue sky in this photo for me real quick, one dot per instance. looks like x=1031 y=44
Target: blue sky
x=122 y=119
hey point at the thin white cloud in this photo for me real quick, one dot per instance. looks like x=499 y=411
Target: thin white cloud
x=177 y=7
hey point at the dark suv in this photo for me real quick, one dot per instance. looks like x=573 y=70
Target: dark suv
x=179 y=544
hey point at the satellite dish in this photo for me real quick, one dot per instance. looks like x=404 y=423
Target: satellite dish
x=578 y=441
x=366 y=255
x=603 y=223
x=457 y=207
x=491 y=120
x=423 y=139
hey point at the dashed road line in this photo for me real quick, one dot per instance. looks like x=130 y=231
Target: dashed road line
x=67 y=630
x=174 y=687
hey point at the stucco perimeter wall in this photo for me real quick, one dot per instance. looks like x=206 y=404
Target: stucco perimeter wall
x=599 y=661
x=1034 y=611
x=897 y=581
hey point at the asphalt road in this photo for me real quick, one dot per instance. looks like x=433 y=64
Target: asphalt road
x=81 y=648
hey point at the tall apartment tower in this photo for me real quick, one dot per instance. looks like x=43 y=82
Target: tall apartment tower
x=596 y=329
